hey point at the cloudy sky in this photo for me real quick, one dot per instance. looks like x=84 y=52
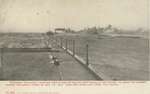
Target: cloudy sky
x=41 y=15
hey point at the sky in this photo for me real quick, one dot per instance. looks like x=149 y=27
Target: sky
x=42 y=15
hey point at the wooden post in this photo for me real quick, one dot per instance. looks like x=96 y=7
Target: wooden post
x=73 y=47
x=1 y=63
x=66 y=44
x=87 y=55
x=70 y=44
x=0 y=57
x=61 y=42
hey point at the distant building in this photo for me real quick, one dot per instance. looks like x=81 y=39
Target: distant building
x=60 y=30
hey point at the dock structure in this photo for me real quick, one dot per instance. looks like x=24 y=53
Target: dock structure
x=68 y=69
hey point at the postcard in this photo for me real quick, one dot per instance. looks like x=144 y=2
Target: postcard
x=74 y=47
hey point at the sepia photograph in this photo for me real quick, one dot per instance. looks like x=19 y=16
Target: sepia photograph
x=74 y=40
